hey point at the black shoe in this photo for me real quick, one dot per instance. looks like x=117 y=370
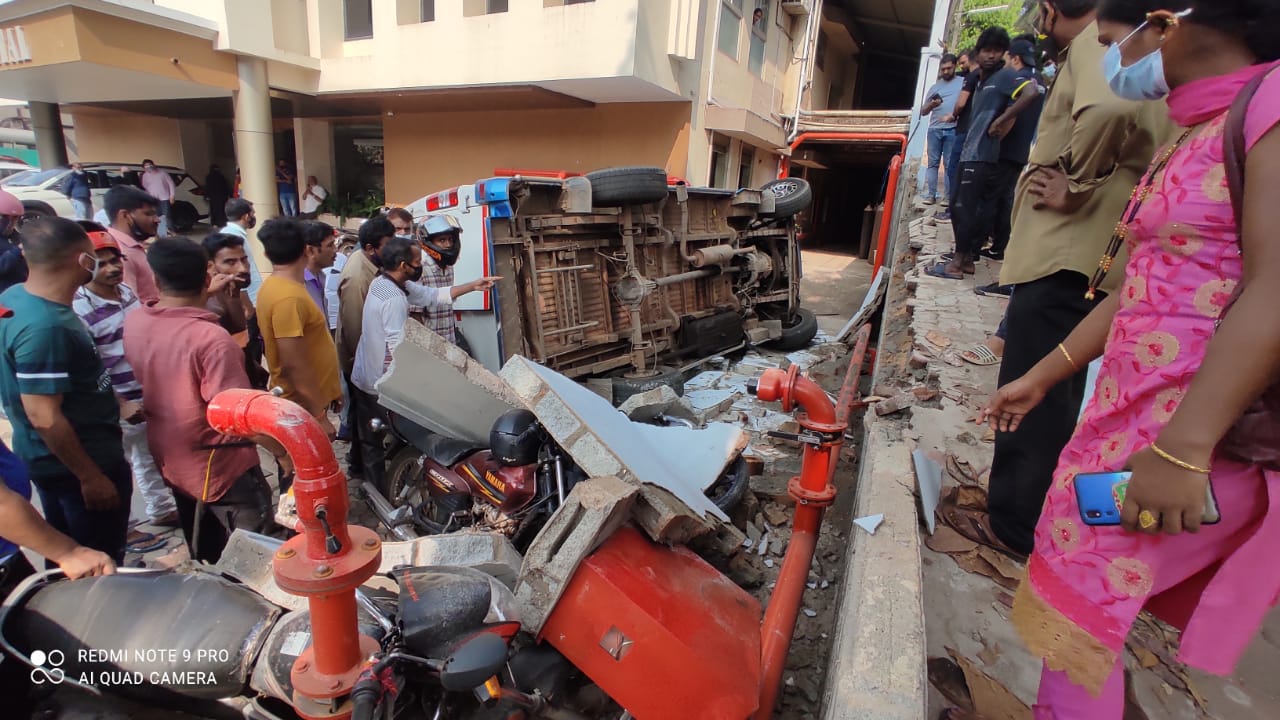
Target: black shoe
x=994 y=289
x=991 y=254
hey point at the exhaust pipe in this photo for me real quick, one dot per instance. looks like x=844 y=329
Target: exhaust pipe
x=398 y=520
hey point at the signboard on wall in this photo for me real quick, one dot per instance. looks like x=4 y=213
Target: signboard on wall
x=13 y=46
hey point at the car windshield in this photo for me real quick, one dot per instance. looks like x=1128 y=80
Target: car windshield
x=33 y=178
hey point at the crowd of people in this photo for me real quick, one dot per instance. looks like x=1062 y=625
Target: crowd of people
x=113 y=342
x=1111 y=187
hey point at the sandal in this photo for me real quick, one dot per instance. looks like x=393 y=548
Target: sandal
x=980 y=354
x=144 y=542
x=939 y=270
x=974 y=525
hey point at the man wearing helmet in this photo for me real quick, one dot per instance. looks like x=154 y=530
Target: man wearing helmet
x=13 y=267
x=440 y=237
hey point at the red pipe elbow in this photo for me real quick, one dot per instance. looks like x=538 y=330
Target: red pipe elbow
x=795 y=390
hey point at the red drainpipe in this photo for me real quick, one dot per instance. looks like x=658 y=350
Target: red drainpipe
x=895 y=168
x=890 y=197
x=813 y=492
x=326 y=562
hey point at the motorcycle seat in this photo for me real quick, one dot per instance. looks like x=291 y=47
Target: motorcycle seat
x=446 y=450
x=186 y=636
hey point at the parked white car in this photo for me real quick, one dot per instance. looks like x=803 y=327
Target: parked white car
x=41 y=190
x=9 y=168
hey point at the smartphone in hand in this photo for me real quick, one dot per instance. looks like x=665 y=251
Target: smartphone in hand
x=1100 y=497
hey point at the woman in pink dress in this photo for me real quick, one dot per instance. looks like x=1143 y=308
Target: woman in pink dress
x=1176 y=374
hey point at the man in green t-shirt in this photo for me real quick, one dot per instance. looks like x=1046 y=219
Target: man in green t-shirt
x=66 y=417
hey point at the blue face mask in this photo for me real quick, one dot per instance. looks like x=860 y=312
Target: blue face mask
x=1049 y=71
x=1143 y=80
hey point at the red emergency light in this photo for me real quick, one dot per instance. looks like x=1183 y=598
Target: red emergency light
x=442 y=200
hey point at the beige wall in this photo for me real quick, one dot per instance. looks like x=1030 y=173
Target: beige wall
x=125 y=44
x=429 y=152
x=106 y=136
x=289 y=25
x=51 y=38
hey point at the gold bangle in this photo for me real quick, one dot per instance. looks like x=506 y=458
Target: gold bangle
x=1067 y=355
x=1180 y=463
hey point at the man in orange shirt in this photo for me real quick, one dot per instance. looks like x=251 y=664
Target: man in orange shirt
x=300 y=352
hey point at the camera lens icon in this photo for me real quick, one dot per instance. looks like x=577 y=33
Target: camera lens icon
x=53 y=674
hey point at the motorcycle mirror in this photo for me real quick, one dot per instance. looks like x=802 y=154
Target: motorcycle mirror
x=474 y=662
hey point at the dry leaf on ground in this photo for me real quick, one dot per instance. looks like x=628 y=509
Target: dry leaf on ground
x=991 y=699
x=937 y=339
x=948 y=541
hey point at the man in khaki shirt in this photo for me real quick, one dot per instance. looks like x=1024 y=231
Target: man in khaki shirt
x=1092 y=148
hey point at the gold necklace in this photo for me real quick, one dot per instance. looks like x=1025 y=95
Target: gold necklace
x=1139 y=195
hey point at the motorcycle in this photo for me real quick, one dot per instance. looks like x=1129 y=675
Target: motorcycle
x=437 y=484
x=197 y=641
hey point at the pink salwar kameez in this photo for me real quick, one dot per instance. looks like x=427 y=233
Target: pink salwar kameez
x=1086 y=585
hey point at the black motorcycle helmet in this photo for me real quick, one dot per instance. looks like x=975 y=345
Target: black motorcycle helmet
x=432 y=229
x=515 y=438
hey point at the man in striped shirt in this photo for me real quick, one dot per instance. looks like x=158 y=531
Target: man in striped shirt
x=102 y=304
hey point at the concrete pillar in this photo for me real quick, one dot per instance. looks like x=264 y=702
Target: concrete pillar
x=313 y=141
x=51 y=145
x=255 y=150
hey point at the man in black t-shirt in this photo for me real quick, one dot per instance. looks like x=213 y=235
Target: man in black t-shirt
x=986 y=178
x=1016 y=127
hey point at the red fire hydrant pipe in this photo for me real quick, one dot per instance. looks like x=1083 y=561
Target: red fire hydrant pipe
x=849 y=390
x=822 y=434
x=890 y=197
x=326 y=562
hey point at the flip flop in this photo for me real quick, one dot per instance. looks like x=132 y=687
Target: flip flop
x=979 y=354
x=974 y=525
x=145 y=542
x=939 y=270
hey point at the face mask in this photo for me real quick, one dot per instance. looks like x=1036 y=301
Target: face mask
x=415 y=274
x=1143 y=80
x=92 y=272
x=136 y=232
x=1049 y=71
x=406 y=236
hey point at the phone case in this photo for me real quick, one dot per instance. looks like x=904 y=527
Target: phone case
x=1100 y=497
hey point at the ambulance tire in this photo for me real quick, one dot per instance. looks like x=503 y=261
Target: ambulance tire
x=798 y=330
x=612 y=187
x=790 y=196
x=624 y=387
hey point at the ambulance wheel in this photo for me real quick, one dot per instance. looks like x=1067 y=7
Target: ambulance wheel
x=612 y=187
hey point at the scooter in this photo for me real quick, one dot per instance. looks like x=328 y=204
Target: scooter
x=436 y=484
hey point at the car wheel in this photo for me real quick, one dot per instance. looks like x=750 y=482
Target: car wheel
x=790 y=196
x=183 y=216
x=798 y=330
x=627 y=186
x=624 y=387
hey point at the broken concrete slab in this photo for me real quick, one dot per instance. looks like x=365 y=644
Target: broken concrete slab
x=705 y=405
x=672 y=465
x=435 y=384
x=594 y=509
x=490 y=553
x=929 y=480
x=247 y=558
x=648 y=405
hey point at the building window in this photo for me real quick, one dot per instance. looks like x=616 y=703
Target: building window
x=472 y=8
x=719 y=163
x=730 y=21
x=759 y=37
x=357 y=17
x=820 y=50
x=428 y=11
x=746 y=166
